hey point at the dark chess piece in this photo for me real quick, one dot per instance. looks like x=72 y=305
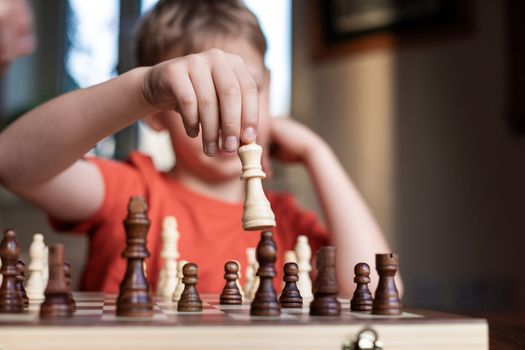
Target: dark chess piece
x=190 y=300
x=290 y=296
x=20 y=278
x=56 y=304
x=265 y=301
x=134 y=299
x=362 y=299
x=325 y=288
x=67 y=273
x=386 y=298
x=10 y=298
x=230 y=294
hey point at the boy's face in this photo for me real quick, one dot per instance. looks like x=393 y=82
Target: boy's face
x=189 y=151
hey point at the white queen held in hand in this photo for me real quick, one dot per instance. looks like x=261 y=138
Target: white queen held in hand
x=258 y=214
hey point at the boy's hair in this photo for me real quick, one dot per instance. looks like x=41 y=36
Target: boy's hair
x=187 y=25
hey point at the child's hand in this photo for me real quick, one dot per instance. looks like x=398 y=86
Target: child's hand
x=212 y=89
x=292 y=142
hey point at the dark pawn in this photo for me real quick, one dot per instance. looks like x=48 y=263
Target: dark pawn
x=56 y=304
x=134 y=299
x=67 y=273
x=190 y=300
x=265 y=301
x=230 y=294
x=386 y=299
x=362 y=299
x=290 y=296
x=325 y=289
x=10 y=300
x=20 y=278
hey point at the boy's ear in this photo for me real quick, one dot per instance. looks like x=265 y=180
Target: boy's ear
x=155 y=121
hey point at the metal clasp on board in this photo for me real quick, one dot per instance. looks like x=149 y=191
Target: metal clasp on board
x=366 y=339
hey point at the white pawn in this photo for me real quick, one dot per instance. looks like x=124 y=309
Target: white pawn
x=169 y=254
x=35 y=283
x=180 y=285
x=303 y=254
x=258 y=214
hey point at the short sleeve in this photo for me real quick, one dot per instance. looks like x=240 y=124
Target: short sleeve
x=121 y=181
x=293 y=221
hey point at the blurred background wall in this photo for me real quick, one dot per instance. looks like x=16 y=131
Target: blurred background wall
x=421 y=130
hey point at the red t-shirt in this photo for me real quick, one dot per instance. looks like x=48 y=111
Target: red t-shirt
x=210 y=230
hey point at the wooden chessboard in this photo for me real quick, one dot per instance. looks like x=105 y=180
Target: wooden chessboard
x=95 y=326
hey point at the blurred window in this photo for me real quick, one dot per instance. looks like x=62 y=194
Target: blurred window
x=92 y=49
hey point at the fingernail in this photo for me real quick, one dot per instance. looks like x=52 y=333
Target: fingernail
x=230 y=144
x=193 y=132
x=212 y=148
x=248 y=134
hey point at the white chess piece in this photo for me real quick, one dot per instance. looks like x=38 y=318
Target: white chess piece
x=180 y=285
x=258 y=214
x=289 y=256
x=45 y=271
x=251 y=280
x=35 y=283
x=169 y=254
x=303 y=254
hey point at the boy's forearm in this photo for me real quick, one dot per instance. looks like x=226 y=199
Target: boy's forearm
x=353 y=228
x=51 y=137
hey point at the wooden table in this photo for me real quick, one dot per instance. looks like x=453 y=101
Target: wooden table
x=506 y=329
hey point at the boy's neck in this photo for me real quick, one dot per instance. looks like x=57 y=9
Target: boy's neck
x=231 y=191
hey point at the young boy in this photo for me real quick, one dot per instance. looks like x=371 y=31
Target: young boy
x=221 y=93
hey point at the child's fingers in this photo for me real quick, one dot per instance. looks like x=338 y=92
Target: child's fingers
x=208 y=108
x=250 y=102
x=229 y=92
x=186 y=100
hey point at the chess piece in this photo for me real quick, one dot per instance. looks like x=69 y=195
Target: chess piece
x=258 y=214
x=325 y=301
x=303 y=254
x=190 y=300
x=362 y=299
x=230 y=294
x=134 y=299
x=20 y=278
x=169 y=254
x=238 y=280
x=386 y=298
x=45 y=270
x=10 y=300
x=289 y=256
x=180 y=283
x=265 y=301
x=67 y=274
x=35 y=283
x=57 y=302
x=251 y=280
x=290 y=296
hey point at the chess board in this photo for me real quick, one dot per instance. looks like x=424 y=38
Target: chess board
x=95 y=326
